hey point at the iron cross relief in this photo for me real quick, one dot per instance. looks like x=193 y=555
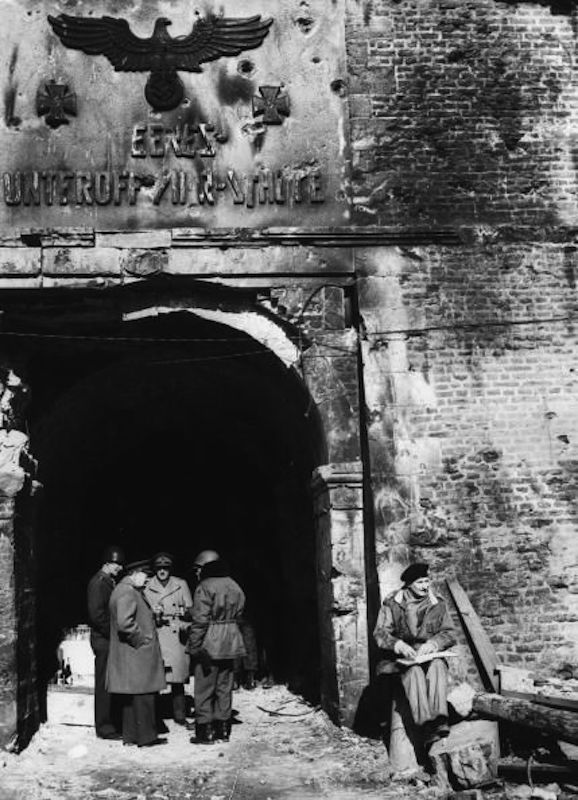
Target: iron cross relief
x=272 y=104
x=54 y=102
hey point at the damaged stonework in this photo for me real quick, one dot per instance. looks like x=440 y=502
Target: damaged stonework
x=341 y=585
x=19 y=713
x=469 y=372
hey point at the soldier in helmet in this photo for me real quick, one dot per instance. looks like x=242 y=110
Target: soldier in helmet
x=170 y=600
x=214 y=642
x=98 y=594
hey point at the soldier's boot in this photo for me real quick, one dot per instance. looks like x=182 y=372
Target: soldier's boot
x=249 y=679
x=222 y=730
x=203 y=733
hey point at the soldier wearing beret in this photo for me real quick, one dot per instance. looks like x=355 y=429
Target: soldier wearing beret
x=98 y=594
x=135 y=667
x=415 y=622
x=171 y=601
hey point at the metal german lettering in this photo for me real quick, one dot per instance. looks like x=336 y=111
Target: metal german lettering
x=180 y=187
x=196 y=182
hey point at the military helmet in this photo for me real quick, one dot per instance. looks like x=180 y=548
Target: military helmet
x=205 y=557
x=113 y=555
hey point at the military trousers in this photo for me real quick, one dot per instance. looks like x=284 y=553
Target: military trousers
x=426 y=689
x=214 y=691
x=105 y=722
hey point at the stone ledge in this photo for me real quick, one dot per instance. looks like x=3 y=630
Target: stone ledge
x=140 y=240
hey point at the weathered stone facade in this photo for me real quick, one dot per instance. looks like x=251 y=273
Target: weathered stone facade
x=401 y=243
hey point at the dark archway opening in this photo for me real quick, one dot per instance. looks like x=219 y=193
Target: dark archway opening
x=177 y=434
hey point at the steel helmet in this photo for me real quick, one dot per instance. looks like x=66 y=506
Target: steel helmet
x=205 y=557
x=113 y=555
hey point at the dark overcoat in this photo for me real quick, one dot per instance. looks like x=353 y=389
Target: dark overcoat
x=98 y=594
x=218 y=605
x=135 y=664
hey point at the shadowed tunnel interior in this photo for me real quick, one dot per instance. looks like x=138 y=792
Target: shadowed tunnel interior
x=178 y=446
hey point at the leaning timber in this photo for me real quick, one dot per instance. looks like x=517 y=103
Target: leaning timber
x=557 y=722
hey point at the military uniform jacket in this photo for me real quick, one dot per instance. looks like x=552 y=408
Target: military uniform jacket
x=98 y=594
x=135 y=664
x=217 y=607
x=173 y=598
x=435 y=626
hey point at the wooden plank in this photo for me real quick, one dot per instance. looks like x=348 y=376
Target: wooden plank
x=480 y=645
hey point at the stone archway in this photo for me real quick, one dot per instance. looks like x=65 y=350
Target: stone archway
x=327 y=389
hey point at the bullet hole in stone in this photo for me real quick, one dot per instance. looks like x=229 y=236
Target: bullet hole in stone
x=246 y=68
x=338 y=87
x=550 y=415
x=305 y=24
x=564 y=438
x=316 y=59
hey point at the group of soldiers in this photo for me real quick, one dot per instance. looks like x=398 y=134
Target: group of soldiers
x=148 y=632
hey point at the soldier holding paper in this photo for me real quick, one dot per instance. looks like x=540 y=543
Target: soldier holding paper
x=413 y=629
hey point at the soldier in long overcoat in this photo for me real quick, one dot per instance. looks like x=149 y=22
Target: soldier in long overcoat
x=171 y=602
x=214 y=642
x=135 y=667
x=415 y=622
x=98 y=594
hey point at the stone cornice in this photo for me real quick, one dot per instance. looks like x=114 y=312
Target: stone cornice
x=231 y=237
x=343 y=236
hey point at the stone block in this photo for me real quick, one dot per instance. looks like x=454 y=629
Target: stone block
x=79 y=262
x=469 y=756
x=20 y=261
x=138 y=240
x=238 y=261
x=142 y=263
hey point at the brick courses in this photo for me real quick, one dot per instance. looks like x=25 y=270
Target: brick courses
x=461 y=110
x=471 y=372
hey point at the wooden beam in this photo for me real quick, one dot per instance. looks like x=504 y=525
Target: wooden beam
x=557 y=722
x=552 y=701
x=519 y=770
x=480 y=645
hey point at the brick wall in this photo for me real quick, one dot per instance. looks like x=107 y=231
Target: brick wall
x=461 y=111
x=471 y=374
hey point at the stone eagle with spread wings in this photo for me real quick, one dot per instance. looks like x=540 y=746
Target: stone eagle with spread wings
x=161 y=54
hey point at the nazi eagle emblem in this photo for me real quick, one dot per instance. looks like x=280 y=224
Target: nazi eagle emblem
x=162 y=55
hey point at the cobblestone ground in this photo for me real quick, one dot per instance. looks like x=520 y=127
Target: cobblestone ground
x=269 y=757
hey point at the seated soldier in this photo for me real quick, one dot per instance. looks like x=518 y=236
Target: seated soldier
x=414 y=622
